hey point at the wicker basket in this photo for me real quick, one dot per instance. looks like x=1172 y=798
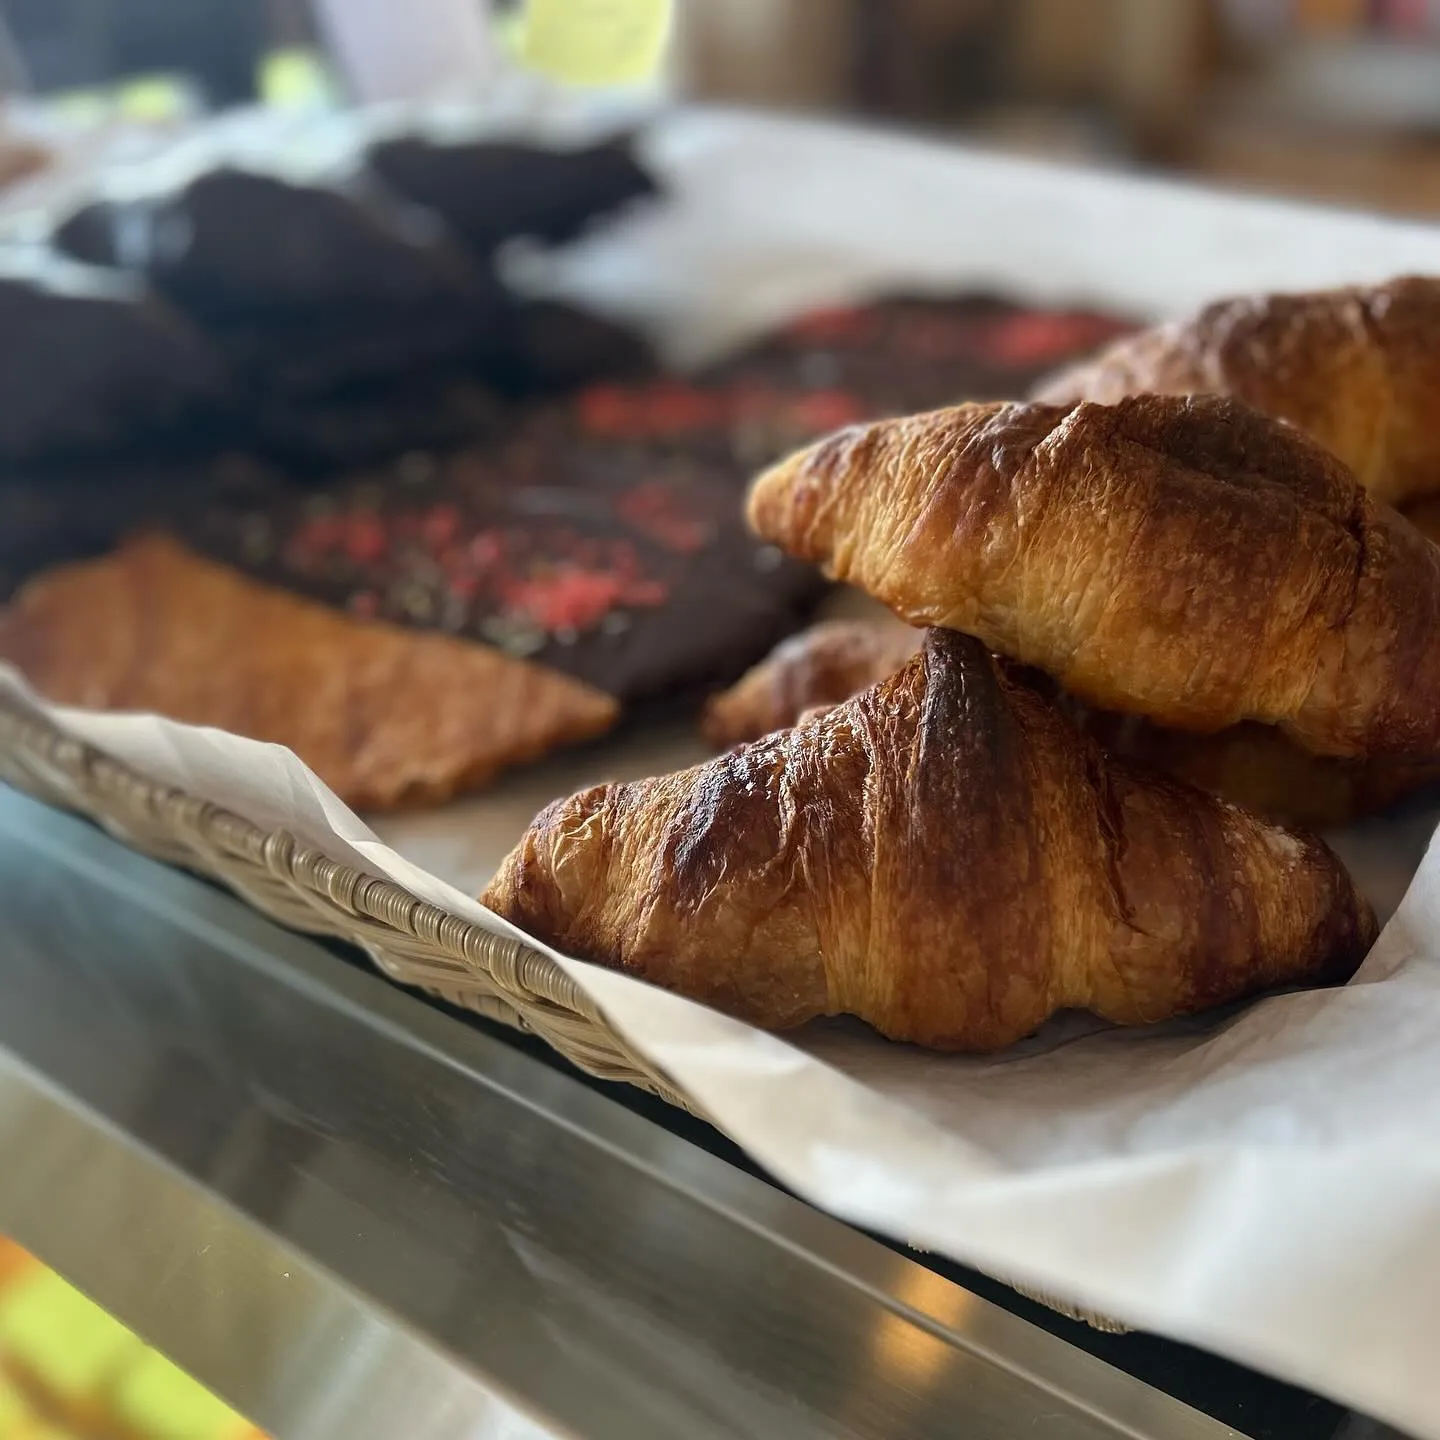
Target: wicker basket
x=409 y=939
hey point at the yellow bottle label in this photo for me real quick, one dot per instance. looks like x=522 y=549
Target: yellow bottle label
x=596 y=42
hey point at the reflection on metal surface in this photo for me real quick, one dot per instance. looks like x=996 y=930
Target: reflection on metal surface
x=912 y=1357
x=351 y=1215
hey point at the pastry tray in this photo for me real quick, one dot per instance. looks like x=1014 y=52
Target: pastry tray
x=1213 y=243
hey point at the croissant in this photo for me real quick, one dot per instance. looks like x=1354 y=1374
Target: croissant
x=1251 y=765
x=1181 y=558
x=1358 y=369
x=820 y=666
x=943 y=856
x=385 y=716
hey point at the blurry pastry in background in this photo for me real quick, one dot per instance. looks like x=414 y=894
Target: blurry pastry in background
x=226 y=239
x=303 y=280
x=490 y=189
x=1357 y=369
x=20 y=158
x=819 y=667
x=91 y=361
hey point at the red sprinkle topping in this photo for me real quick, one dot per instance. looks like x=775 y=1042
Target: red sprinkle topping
x=668 y=407
x=570 y=597
x=671 y=409
x=824 y=410
x=1033 y=339
x=440 y=525
x=653 y=509
x=840 y=325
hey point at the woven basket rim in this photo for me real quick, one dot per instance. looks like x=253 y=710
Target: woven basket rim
x=83 y=777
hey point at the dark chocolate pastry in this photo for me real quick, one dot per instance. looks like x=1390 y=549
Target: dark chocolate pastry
x=551 y=347
x=370 y=424
x=73 y=513
x=904 y=355
x=90 y=361
x=836 y=368
x=233 y=243
x=538 y=349
x=490 y=191
x=625 y=565
x=319 y=352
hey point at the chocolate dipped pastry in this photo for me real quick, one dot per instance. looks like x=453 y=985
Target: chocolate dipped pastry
x=226 y=240
x=373 y=422
x=316 y=354
x=534 y=349
x=837 y=367
x=76 y=512
x=623 y=565
x=905 y=354
x=306 y=273
x=90 y=361
x=550 y=347
x=493 y=190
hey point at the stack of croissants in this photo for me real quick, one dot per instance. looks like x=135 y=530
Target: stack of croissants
x=1154 y=622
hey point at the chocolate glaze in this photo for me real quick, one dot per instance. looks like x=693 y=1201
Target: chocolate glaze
x=491 y=191
x=539 y=348
x=235 y=243
x=906 y=354
x=58 y=514
x=90 y=361
x=625 y=565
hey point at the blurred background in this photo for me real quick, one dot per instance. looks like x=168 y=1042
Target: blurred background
x=1331 y=99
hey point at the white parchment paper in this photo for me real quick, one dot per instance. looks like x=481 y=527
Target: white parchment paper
x=1265 y=1183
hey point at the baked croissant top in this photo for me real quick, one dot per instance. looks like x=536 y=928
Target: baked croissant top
x=1186 y=559
x=943 y=856
x=1358 y=369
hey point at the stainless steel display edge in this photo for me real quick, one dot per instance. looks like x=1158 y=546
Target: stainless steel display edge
x=354 y=1216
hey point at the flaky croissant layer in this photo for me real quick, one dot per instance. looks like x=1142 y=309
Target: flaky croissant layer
x=1185 y=559
x=943 y=856
x=1358 y=369
x=1250 y=765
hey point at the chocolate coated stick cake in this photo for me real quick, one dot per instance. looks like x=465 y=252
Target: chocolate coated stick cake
x=626 y=565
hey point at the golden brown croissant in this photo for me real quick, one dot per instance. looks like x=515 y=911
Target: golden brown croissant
x=1251 y=765
x=945 y=857
x=1357 y=369
x=1182 y=558
x=385 y=716
x=821 y=665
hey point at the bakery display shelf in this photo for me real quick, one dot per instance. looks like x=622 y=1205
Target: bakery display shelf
x=351 y=1213
x=410 y=940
